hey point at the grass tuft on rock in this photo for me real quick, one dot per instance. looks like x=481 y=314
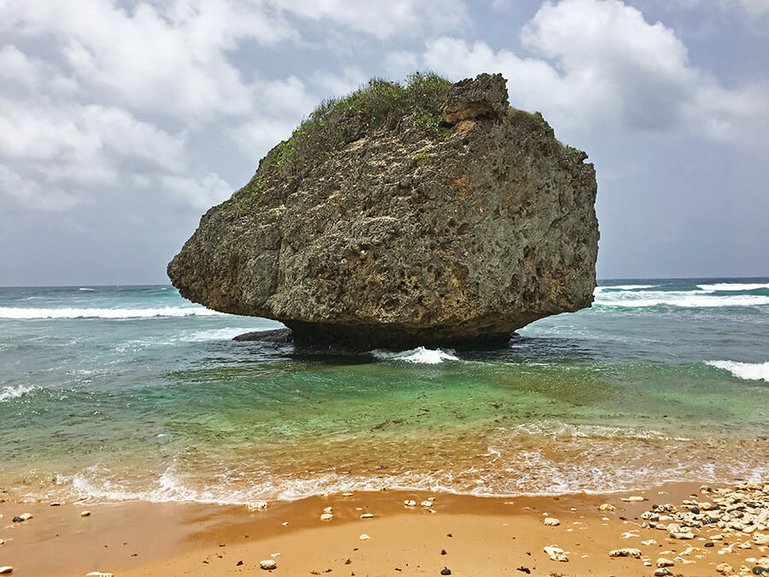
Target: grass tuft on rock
x=414 y=105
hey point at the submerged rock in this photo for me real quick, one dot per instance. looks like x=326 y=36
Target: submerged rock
x=425 y=214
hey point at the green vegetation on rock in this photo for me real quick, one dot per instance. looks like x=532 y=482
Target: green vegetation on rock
x=380 y=105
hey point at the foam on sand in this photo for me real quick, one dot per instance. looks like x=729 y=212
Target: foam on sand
x=746 y=371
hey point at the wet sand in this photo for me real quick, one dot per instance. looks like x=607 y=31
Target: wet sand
x=463 y=534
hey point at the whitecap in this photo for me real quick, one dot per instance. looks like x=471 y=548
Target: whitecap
x=9 y=393
x=733 y=287
x=684 y=299
x=102 y=313
x=419 y=355
x=746 y=371
x=623 y=287
x=86 y=289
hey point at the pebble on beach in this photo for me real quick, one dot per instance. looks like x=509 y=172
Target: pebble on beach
x=664 y=562
x=99 y=574
x=326 y=517
x=257 y=506
x=268 y=564
x=606 y=507
x=662 y=572
x=364 y=537
x=626 y=552
x=410 y=503
x=6 y=570
x=634 y=499
x=85 y=513
x=556 y=553
x=21 y=518
x=552 y=522
x=367 y=516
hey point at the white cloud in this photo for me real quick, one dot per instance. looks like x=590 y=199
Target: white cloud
x=597 y=64
x=202 y=192
x=382 y=18
x=170 y=58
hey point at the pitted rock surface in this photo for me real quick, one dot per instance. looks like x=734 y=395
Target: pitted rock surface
x=401 y=238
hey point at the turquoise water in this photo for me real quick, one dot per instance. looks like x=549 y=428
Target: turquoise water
x=135 y=393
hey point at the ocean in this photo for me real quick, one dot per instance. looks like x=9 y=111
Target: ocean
x=132 y=392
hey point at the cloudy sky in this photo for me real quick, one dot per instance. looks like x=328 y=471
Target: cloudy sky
x=122 y=121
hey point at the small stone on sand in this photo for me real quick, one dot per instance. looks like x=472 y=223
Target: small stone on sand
x=410 y=503
x=364 y=537
x=445 y=571
x=552 y=522
x=724 y=569
x=634 y=499
x=326 y=517
x=258 y=506
x=664 y=562
x=85 y=513
x=626 y=552
x=606 y=507
x=99 y=574
x=268 y=564
x=6 y=570
x=661 y=572
x=426 y=504
x=367 y=516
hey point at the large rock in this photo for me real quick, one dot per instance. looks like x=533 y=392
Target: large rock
x=453 y=219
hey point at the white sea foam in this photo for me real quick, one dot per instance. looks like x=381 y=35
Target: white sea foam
x=747 y=371
x=419 y=355
x=685 y=299
x=623 y=287
x=86 y=289
x=8 y=393
x=733 y=287
x=102 y=313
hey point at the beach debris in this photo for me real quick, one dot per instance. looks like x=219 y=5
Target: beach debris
x=99 y=574
x=665 y=562
x=445 y=571
x=606 y=507
x=326 y=517
x=21 y=518
x=367 y=516
x=257 y=506
x=268 y=564
x=634 y=499
x=552 y=522
x=364 y=537
x=410 y=503
x=626 y=552
x=556 y=553
x=85 y=513
x=328 y=509
x=662 y=572
x=426 y=504
x=55 y=504
x=6 y=570
x=523 y=569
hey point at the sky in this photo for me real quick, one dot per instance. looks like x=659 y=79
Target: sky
x=123 y=121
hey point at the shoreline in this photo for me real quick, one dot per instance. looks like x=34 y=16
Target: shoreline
x=468 y=535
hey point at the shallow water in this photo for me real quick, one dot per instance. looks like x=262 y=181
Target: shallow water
x=132 y=392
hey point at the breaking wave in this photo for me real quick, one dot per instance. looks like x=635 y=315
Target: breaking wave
x=746 y=371
x=102 y=313
x=419 y=356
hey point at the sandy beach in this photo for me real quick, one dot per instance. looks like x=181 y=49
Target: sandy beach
x=461 y=534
